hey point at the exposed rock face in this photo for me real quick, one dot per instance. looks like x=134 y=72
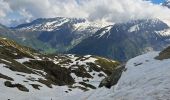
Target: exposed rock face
x=113 y=78
x=165 y=54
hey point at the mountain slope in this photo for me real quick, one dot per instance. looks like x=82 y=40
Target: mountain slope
x=27 y=74
x=126 y=40
x=58 y=34
x=120 y=41
x=146 y=78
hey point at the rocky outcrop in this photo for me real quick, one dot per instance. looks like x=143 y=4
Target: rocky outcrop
x=113 y=78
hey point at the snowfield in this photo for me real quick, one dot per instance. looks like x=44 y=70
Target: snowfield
x=44 y=92
x=145 y=79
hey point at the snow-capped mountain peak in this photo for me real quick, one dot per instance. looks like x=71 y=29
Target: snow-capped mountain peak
x=48 y=24
x=51 y=24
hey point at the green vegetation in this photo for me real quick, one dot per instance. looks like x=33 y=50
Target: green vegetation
x=107 y=65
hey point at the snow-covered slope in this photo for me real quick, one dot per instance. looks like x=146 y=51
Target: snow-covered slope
x=145 y=78
x=28 y=75
x=164 y=33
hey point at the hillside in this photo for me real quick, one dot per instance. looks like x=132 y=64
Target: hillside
x=146 y=78
x=27 y=74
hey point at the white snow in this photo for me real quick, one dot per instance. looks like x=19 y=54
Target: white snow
x=4 y=38
x=23 y=60
x=167 y=21
x=145 y=79
x=134 y=28
x=106 y=31
x=5 y=60
x=57 y=92
x=47 y=26
x=96 y=25
x=164 y=33
x=45 y=93
x=95 y=80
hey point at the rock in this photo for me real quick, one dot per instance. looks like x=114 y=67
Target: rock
x=113 y=78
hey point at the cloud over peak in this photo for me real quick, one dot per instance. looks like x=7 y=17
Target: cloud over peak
x=19 y=11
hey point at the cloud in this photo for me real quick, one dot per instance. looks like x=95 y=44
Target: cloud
x=4 y=8
x=124 y=10
x=19 y=11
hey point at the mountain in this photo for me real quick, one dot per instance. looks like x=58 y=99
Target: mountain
x=123 y=41
x=28 y=74
x=119 y=41
x=58 y=34
x=6 y=32
x=166 y=3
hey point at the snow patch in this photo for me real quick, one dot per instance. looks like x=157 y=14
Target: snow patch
x=134 y=28
x=105 y=31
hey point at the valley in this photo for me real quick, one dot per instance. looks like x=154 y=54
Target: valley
x=84 y=50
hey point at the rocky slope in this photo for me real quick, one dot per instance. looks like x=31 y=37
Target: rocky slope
x=27 y=74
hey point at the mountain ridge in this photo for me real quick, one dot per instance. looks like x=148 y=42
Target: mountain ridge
x=117 y=43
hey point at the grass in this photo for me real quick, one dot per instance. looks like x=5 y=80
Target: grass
x=107 y=65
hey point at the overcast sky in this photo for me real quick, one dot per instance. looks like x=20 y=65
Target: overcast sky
x=13 y=12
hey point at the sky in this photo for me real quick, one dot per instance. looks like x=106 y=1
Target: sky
x=157 y=1
x=14 y=12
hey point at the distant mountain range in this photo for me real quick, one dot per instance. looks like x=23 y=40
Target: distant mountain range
x=55 y=34
x=120 y=41
x=126 y=40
